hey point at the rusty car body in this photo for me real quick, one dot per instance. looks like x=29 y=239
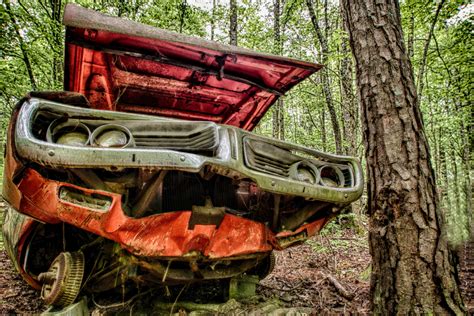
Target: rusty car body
x=145 y=171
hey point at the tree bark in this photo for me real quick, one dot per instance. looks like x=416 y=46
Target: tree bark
x=467 y=249
x=466 y=159
x=456 y=184
x=278 y=119
x=182 y=7
x=349 y=106
x=323 y=130
x=233 y=23
x=412 y=265
x=411 y=33
x=325 y=77
x=444 y=183
x=56 y=9
x=213 y=24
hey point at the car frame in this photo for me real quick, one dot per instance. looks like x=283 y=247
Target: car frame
x=76 y=203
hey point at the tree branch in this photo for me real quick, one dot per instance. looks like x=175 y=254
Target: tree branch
x=26 y=59
x=421 y=70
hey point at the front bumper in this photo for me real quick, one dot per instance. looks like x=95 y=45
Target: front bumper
x=229 y=158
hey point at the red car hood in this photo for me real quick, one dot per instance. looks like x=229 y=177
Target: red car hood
x=127 y=66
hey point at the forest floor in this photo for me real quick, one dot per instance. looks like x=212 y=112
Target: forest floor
x=327 y=274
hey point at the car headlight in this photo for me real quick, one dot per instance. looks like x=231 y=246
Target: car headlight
x=331 y=176
x=68 y=133
x=112 y=135
x=304 y=172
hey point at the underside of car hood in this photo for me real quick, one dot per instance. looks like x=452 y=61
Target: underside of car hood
x=127 y=66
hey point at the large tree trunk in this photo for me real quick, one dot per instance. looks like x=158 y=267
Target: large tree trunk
x=412 y=266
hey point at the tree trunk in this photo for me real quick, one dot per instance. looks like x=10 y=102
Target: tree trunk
x=456 y=184
x=444 y=183
x=325 y=77
x=412 y=266
x=278 y=118
x=349 y=107
x=466 y=159
x=233 y=23
x=411 y=32
x=213 y=24
x=56 y=9
x=323 y=130
x=182 y=7
x=281 y=118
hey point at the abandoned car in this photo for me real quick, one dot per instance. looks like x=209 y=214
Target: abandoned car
x=145 y=171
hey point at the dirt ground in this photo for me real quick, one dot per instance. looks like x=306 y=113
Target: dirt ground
x=328 y=274
x=16 y=296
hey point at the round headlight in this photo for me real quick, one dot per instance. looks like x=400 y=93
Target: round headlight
x=112 y=139
x=331 y=176
x=73 y=139
x=305 y=172
x=112 y=136
x=68 y=133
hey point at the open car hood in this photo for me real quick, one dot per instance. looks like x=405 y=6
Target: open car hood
x=127 y=66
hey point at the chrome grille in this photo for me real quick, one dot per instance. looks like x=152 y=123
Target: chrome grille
x=180 y=136
x=268 y=158
x=348 y=181
x=193 y=137
x=285 y=162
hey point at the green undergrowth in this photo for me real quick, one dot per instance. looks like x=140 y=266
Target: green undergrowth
x=341 y=234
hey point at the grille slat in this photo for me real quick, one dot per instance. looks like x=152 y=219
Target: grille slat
x=347 y=177
x=277 y=168
x=269 y=158
x=180 y=136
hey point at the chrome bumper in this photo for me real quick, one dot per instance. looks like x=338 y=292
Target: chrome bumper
x=228 y=159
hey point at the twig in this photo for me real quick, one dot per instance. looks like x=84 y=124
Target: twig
x=177 y=297
x=121 y=304
x=339 y=287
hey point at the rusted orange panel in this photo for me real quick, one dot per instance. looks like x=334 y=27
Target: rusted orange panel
x=311 y=229
x=241 y=235
x=161 y=235
x=165 y=235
